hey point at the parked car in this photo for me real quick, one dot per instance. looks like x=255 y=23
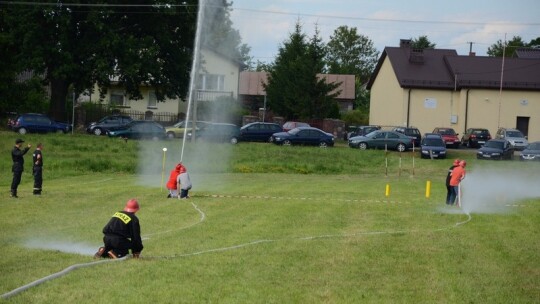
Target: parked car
x=449 y=136
x=412 y=132
x=304 y=136
x=362 y=130
x=139 y=129
x=259 y=131
x=103 y=125
x=514 y=136
x=177 y=130
x=289 y=125
x=496 y=149
x=432 y=146
x=532 y=152
x=382 y=140
x=217 y=132
x=475 y=137
x=37 y=123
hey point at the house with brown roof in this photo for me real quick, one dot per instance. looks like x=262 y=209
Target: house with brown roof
x=438 y=88
x=251 y=89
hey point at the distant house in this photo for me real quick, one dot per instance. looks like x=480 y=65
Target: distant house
x=438 y=88
x=218 y=77
x=251 y=89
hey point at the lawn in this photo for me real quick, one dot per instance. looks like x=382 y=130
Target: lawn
x=269 y=224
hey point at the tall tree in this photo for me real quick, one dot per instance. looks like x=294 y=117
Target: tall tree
x=79 y=44
x=509 y=48
x=351 y=53
x=219 y=34
x=422 y=42
x=294 y=90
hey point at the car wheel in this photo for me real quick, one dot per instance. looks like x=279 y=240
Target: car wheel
x=170 y=135
x=22 y=131
x=323 y=144
x=98 y=131
x=362 y=146
x=234 y=140
x=270 y=139
x=401 y=147
x=287 y=142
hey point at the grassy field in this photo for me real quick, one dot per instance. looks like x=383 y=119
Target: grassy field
x=265 y=224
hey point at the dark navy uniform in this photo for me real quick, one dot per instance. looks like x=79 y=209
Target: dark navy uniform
x=122 y=233
x=18 y=166
x=37 y=170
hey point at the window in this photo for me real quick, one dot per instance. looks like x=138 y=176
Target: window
x=211 y=82
x=152 y=100
x=117 y=98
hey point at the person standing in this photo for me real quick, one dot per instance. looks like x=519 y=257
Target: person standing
x=122 y=233
x=18 y=165
x=172 y=185
x=458 y=174
x=37 y=169
x=450 y=189
x=184 y=183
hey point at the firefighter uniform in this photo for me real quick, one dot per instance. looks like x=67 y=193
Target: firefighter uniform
x=37 y=169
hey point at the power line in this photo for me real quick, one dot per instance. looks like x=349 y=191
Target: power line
x=382 y=19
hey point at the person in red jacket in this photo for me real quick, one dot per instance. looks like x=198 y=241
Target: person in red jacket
x=458 y=174
x=122 y=234
x=171 y=184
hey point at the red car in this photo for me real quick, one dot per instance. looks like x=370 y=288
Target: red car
x=449 y=136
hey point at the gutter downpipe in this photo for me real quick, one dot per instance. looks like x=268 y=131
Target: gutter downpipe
x=408 y=107
x=466 y=110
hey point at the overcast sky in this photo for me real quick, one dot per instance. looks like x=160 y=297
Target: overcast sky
x=264 y=25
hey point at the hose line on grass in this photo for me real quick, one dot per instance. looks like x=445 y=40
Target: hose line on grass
x=57 y=275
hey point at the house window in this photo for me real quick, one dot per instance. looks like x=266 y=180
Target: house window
x=152 y=100
x=211 y=82
x=117 y=99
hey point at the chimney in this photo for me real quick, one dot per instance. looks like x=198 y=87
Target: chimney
x=416 y=56
x=405 y=43
x=472 y=54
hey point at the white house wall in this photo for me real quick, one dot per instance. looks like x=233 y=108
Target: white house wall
x=388 y=101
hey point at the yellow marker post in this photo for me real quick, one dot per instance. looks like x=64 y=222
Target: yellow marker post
x=163 y=169
x=387 y=191
x=428 y=188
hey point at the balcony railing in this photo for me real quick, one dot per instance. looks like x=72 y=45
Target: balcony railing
x=203 y=95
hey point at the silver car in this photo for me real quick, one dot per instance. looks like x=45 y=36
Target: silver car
x=514 y=136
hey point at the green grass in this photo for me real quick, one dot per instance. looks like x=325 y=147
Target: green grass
x=265 y=224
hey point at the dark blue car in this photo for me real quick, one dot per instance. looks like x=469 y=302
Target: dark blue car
x=496 y=149
x=259 y=131
x=308 y=136
x=38 y=123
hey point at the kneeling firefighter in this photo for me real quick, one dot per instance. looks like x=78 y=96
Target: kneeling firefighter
x=122 y=233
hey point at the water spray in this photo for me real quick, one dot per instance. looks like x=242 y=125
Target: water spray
x=193 y=76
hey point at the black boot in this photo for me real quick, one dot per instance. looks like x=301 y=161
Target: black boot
x=14 y=194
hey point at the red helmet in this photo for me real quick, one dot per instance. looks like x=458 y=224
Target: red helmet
x=463 y=163
x=456 y=162
x=178 y=167
x=132 y=206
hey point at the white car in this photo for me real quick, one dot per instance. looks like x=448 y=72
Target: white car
x=514 y=136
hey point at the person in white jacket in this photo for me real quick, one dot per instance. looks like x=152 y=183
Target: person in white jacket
x=184 y=183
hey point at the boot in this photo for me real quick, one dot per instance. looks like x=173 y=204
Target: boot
x=112 y=254
x=14 y=194
x=99 y=253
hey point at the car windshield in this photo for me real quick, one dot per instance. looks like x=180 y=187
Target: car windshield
x=448 y=132
x=495 y=144
x=294 y=131
x=480 y=132
x=514 y=134
x=534 y=146
x=433 y=142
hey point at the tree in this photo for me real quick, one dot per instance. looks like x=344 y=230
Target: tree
x=76 y=45
x=351 y=53
x=219 y=34
x=422 y=42
x=293 y=89
x=509 y=48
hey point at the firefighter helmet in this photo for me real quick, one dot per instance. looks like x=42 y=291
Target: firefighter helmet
x=132 y=206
